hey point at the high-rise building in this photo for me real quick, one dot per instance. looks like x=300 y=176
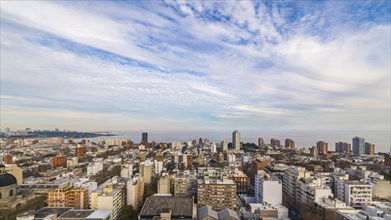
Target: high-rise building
x=303 y=189
x=108 y=198
x=275 y=142
x=146 y=171
x=144 y=137
x=323 y=147
x=236 y=140
x=354 y=193
x=220 y=194
x=213 y=148
x=314 y=152
x=135 y=191
x=181 y=185
x=290 y=178
x=369 y=148
x=127 y=170
x=78 y=198
x=224 y=145
x=289 y=143
x=242 y=181
x=268 y=189
x=59 y=197
x=260 y=142
x=358 y=145
x=158 y=166
x=164 y=185
x=343 y=147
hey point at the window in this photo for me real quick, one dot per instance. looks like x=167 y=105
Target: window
x=1 y=196
x=11 y=192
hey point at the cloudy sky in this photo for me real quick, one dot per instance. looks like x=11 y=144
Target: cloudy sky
x=196 y=66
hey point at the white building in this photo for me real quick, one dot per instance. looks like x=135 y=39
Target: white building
x=231 y=158
x=158 y=166
x=357 y=194
x=339 y=185
x=303 y=188
x=311 y=190
x=268 y=190
x=94 y=167
x=127 y=170
x=213 y=148
x=291 y=176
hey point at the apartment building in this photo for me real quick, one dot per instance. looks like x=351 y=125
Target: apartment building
x=220 y=194
x=108 y=198
x=135 y=192
x=357 y=194
x=268 y=190
x=65 y=195
x=164 y=185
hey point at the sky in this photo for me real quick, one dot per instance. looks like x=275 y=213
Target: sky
x=196 y=66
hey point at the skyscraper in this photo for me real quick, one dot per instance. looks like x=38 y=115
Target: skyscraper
x=343 y=147
x=224 y=145
x=144 y=137
x=323 y=147
x=236 y=140
x=260 y=142
x=275 y=142
x=369 y=148
x=358 y=145
x=289 y=143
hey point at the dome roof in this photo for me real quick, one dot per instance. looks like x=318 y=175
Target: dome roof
x=7 y=179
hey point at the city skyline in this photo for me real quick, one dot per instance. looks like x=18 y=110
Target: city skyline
x=197 y=66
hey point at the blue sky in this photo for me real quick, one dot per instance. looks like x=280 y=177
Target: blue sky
x=196 y=66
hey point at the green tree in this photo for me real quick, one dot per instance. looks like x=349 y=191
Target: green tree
x=128 y=212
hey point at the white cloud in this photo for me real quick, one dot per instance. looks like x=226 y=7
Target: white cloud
x=203 y=75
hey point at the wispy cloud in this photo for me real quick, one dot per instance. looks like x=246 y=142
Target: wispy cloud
x=206 y=64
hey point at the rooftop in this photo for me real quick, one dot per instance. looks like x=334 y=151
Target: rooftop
x=44 y=212
x=99 y=214
x=74 y=213
x=181 y=206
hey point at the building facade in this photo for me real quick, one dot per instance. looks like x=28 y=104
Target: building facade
x=236 y=140
x=268 y=190
x=218 y=194
x=358 y=146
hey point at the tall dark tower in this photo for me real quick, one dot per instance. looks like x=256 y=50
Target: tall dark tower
x=144 y=138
